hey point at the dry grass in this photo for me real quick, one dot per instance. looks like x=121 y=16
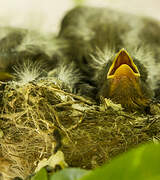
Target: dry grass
x=91 y=134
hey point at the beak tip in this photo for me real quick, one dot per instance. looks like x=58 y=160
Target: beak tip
x=123 y=50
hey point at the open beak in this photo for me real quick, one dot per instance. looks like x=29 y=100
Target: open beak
x=123 y=65
x=123 y=85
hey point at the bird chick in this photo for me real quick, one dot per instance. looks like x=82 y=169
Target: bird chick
x=117 y=52
x=123 y=83
x=70 y=78
x=21 y=48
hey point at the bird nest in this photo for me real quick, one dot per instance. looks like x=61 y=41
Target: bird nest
x=91 y=134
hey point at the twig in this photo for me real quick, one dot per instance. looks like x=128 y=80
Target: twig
x=65 y=104
x=13 y=115
x=58 y=121
x=73 y=95
x=151 y=123
x=76 y=125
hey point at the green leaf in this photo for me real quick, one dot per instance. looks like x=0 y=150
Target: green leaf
x=41 y=175
x=68 y=174
x=142 y=163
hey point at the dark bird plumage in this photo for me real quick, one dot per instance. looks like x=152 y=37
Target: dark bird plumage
x=27 y=54
x=97 y=36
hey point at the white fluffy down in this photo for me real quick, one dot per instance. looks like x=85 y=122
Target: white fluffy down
x=27 y=71
x=66 y=73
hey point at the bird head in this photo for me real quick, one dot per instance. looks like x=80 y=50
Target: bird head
x=126 y=82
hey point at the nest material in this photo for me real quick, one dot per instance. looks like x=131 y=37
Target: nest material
x=92 y=134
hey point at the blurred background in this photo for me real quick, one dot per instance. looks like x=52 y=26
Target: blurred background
x=45 y=15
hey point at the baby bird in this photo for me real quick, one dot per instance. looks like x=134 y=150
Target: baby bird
x=119 y=53
x=24 y=50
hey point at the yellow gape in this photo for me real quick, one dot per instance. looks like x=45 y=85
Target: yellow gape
x=124 y=82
